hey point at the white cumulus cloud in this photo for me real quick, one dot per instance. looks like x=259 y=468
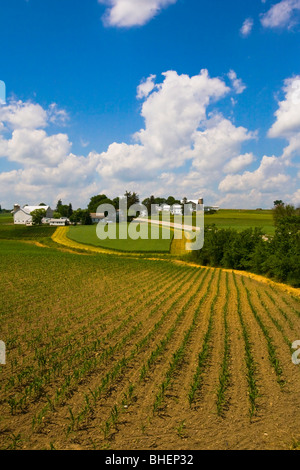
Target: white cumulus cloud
x=247 y=27
x=128 y=13
x=186 y=148
x=284 y=14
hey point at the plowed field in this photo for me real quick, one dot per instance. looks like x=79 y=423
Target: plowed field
x=109 y=352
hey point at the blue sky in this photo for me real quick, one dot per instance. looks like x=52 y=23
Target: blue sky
x=216 y=114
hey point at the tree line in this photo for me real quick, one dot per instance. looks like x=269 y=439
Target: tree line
x=83 y=216
x=277 y=257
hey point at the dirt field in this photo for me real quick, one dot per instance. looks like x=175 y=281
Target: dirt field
x=108 y=352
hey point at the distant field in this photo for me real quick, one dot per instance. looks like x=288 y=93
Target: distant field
x=6 y=219
x=242 y=220
x=15 y=232
x=237 y=219
x=87 y=235
x=111 y=352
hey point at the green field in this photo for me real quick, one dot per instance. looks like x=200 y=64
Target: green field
x=111 y=352
x=236 y=219
x=6 y=219
x=8 y=231
x=88 y=236
x=242 y=220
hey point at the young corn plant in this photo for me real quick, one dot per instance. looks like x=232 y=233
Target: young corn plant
x=224 y=377
x=249 y=359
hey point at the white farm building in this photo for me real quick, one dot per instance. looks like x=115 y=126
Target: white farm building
x=22 y=214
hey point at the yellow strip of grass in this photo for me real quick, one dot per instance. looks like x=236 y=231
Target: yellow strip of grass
x=291 y=290
x=60 y=237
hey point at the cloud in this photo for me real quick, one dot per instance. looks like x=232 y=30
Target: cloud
x=296 y=198
x=247 y=27
x=35 y=147
x=238 y=163
x=173 y=113
x=186 y=147
x=145 y=87
x=20 y=115
x=287 y=122
x=284 y=14
x=270 y=176
x=274 y=175
x=128 y=13
x=237 y=83
x=217 y=145
x=28 y=143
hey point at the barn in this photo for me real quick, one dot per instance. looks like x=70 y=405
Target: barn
x=22 y=214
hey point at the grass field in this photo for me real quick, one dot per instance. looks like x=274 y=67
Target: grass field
x=238 y=220
x=111 y=352
x=88 y=235
x=17 y=232
x=6 y=219
x=8 y=231
x=243 y=219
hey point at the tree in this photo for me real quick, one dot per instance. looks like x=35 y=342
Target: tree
x=149 y=202
x=97 y=201
x=81 y=216
x=171 y=201
x=160 y=201
x=58 y=206
x=86 y=218
x=77 y=216
x=278 y=202
x=282 y=211
x=70 y=210
x=131 y=199
x=63 y=209
x=37 y=216
x=42 y=204
x=116 y=203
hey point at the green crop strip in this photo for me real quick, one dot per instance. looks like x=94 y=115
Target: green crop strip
x=178 y=356
x=271 y=348
x=224 y=377
x=206 y=350
x=250 y=363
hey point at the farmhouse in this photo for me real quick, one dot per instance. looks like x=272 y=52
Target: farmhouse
x=194 y=203
x=57 y=222
x=211 y=208
x=96 y=218
x=166 y=208
x=22 y=214
x=176 y=209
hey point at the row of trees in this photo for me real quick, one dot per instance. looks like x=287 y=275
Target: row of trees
x=132 y=198
x=4 y=211
x=277 y=257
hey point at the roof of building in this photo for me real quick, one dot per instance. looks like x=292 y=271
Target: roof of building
x=29 y=209
x=97 y=215
x=57 y=220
